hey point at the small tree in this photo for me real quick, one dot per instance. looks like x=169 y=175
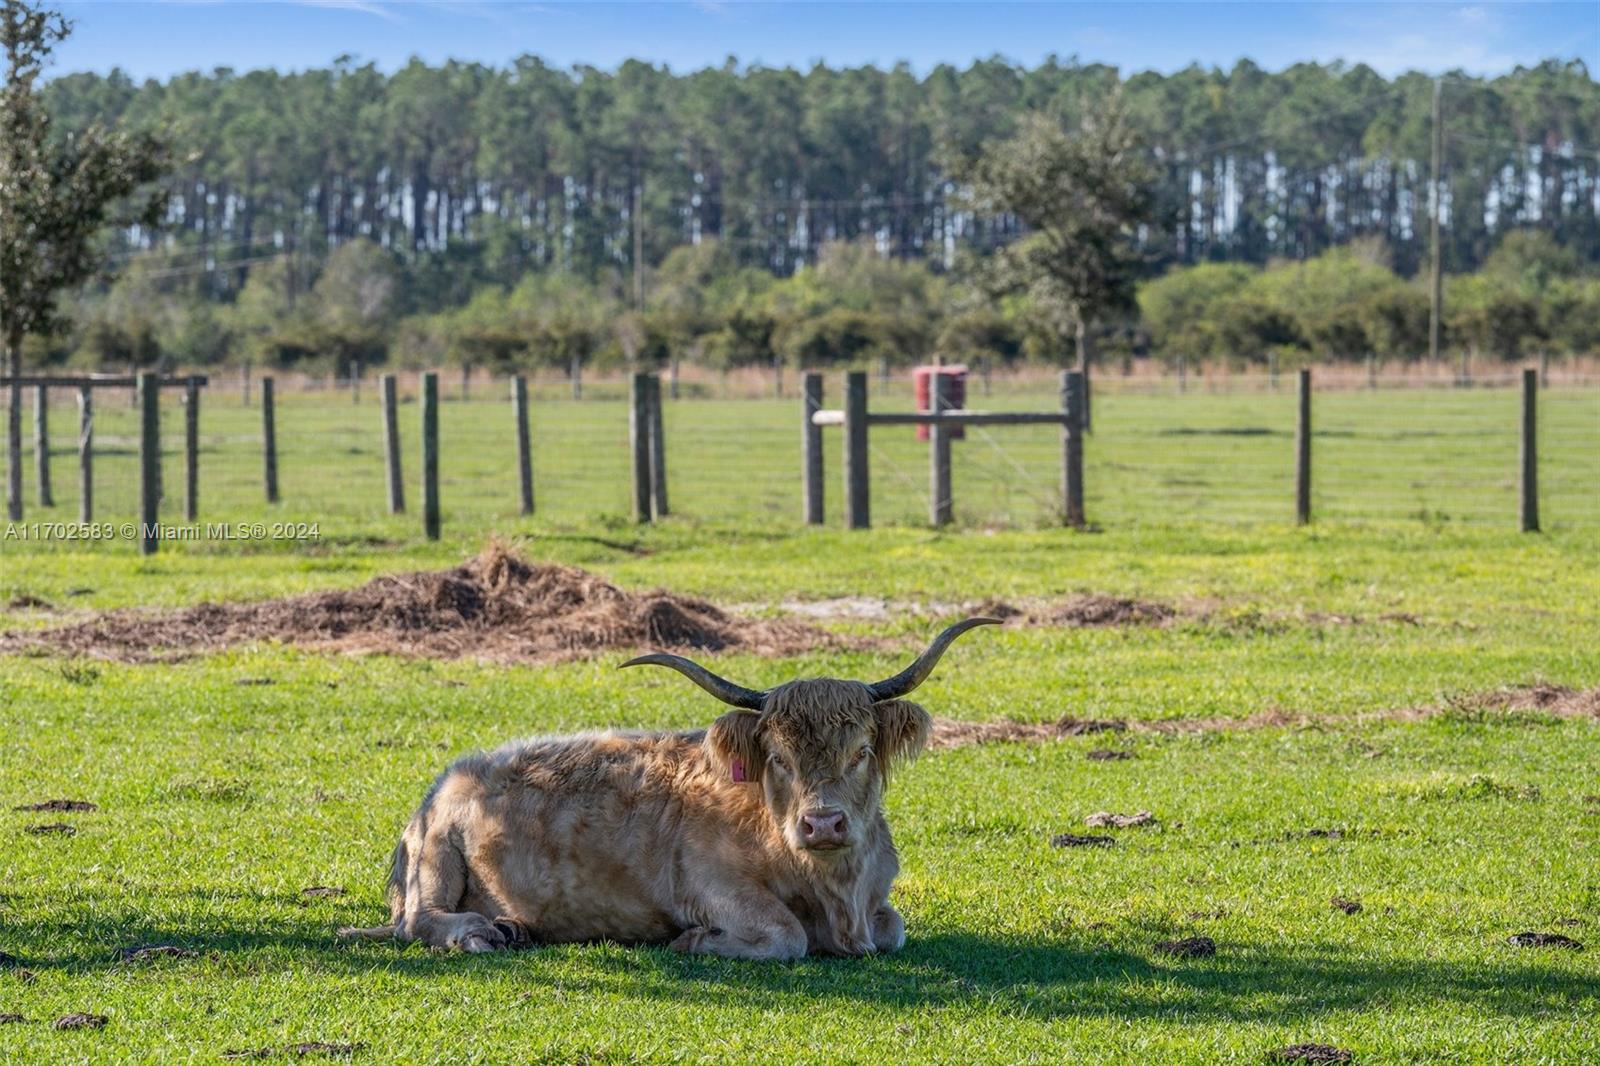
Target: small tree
x=1083 y=198
x=354 y=303
x=55 y=196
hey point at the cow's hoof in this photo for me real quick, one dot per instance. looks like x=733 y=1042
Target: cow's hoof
x=478 y=937
x=515 y=932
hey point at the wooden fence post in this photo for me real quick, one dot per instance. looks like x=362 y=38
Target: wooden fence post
x=519 y=412
x=1272 y=371
x=41 y=444
x=1183 y=374
x=391 y=444
x=639 y=440
x=430 y=454
x=1302 y=452
x=811 y=448
x=575 y=373
x=1072 y=396
x=191 y=450
x=269 y=436
x=658 y=451
x=940 y=508
x=857 y=493
x=1530 y=450
x=149 y=396
x=14 y=452
x=1372 y=372
x=85 y=454
x=1086 y=402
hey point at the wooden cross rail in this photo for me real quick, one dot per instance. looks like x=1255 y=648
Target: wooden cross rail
x=146 y=386
x=952 y=418
x=855 y=419
x=101 y=381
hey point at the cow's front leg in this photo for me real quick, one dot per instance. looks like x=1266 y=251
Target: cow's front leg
x=747 y=924
x=846 y=933
x=888 y=929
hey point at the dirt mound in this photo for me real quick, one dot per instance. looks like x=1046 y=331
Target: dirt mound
x=1543 y=940
x=1191 y=947
x=1495 y=705
x=953 y=733
x=496 y=607
x=1084 y=610
x=62 y=805
x=1557 y=700
x=1313 y=1053
x=1112 y=820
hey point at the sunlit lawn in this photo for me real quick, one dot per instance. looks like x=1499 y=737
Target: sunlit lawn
x=229 y=783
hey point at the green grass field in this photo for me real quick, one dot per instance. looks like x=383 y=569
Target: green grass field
x=227 y=784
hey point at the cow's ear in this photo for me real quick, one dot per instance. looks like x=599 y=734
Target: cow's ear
x=735 y=741
x=902 y=732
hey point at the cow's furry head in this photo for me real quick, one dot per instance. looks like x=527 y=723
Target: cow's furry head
x=820 y=750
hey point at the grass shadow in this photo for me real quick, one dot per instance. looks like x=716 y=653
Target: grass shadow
x=1076 y=976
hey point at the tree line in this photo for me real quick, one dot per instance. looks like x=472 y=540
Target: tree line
x=524 y=216
x=471 y=173
x=854 y=306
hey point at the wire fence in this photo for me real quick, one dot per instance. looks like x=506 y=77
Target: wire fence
x=1398 y=450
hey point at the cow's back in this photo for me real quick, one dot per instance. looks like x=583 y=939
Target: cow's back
x=575 y=838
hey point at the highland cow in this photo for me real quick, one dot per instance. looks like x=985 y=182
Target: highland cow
x=760 y=837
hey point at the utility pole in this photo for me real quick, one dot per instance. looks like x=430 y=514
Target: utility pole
x=638 y=243
x=1436 y=276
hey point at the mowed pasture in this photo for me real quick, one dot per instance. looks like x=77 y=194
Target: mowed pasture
x=1345 y=799
x=1401 y=455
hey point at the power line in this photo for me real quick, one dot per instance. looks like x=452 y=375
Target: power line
x=130 y=254
x=177 y=272
x=1571 y=149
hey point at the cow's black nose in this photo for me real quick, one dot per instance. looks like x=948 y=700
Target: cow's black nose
x=824 y=826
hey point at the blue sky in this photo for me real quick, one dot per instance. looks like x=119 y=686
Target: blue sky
x=155 y=39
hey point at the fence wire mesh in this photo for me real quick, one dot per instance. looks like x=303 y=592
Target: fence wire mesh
x=1400 y=452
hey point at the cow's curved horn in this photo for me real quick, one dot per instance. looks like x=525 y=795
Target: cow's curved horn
x=720 y=687
x=917 y=672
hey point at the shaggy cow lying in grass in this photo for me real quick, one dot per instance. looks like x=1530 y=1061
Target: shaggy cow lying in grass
x=762 y=837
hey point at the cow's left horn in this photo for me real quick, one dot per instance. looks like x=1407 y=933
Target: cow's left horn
x=720 y=687
x=917 y=672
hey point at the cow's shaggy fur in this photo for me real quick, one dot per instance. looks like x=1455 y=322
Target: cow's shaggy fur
x=652 y=838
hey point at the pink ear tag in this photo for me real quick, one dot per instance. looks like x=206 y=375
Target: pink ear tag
x=737 y=766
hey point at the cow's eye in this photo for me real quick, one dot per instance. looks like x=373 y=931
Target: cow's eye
x=860 y=757
x=776 y=762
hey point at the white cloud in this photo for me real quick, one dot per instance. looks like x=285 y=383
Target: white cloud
x=1396 y=38
x=365 y=7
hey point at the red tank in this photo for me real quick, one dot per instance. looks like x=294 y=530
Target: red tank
x=955 y=393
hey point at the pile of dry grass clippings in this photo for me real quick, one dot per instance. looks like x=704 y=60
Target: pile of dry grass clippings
x=497 y=606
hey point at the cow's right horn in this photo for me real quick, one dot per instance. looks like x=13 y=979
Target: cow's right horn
x=720 y=687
